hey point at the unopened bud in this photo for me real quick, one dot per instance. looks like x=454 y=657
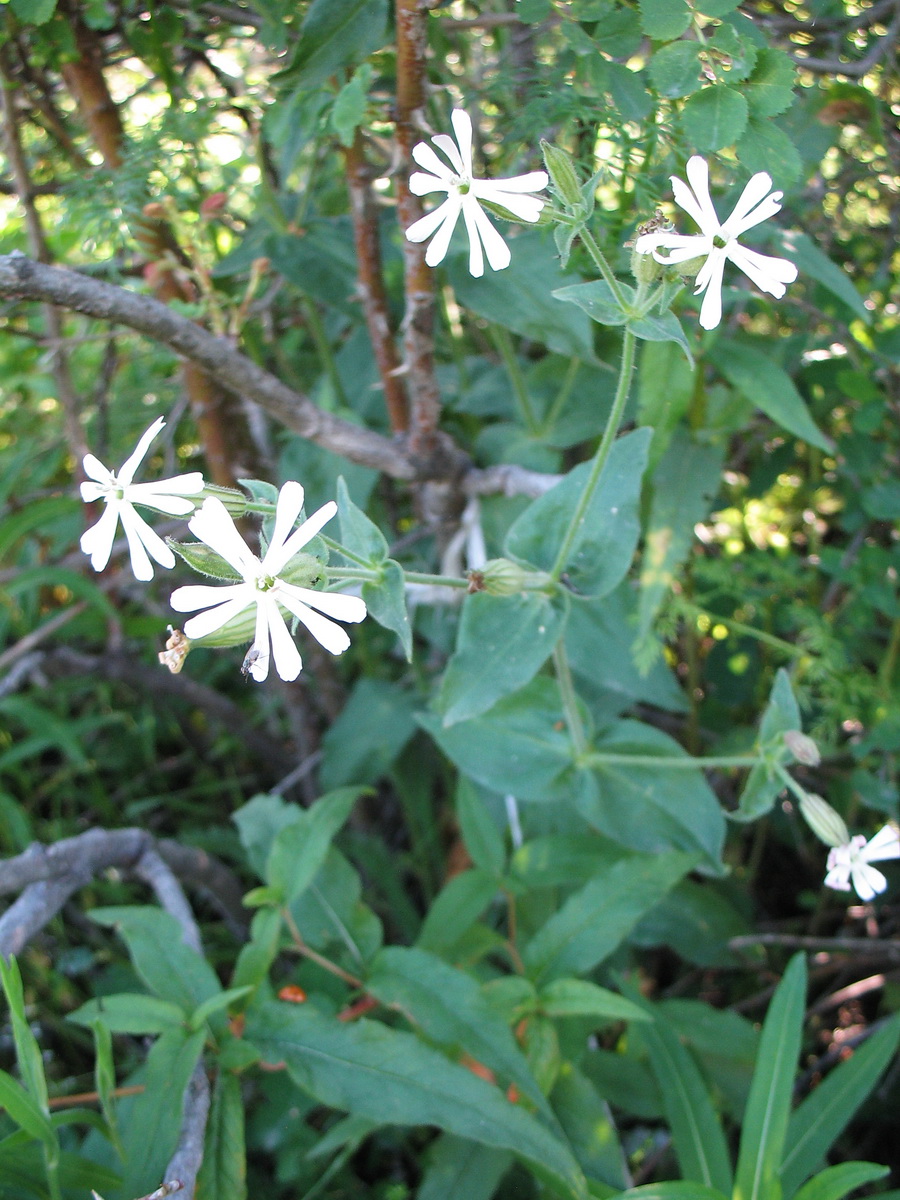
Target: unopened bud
x=236 y=502
x=689 y=269
x=645 y=268
x=562 y=171
x=303 y=570
x=498 y=577
x=826 y=824
x=803 y=748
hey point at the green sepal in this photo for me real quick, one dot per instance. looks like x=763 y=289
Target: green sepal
x=205 y=560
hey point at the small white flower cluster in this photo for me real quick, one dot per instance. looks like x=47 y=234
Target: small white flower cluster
x=849 y=858
x=262 y=585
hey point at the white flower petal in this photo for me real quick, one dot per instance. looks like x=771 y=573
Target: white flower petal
x=153 y=495
x=97 y=542
x=838 y=878
x=277 y=558
x=695 y=199
x=867 y=881
x=287 y=510
x=526 y=208
x=333 y=604
x=440 y=243
x=754 y=205
x=462 y=127
x=421 y=184
x=201 y=595
x=333 y=637
x=495 y=248
x=212 y=524
x=213 y=619
x=681 y=247
x=132 y=463
x=94 y=469
x=288 y=662
x=533 y=181
x=143 y=540
x=449 y=147
x=711 y=308
x=769 y=274
x=422 y=229
x=426 y=157
x=885 y=844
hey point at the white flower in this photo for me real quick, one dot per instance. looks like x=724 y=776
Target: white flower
x=262 y=587
x=719 y=240
x=851 y=862
x=120 y=495
x=463 y=195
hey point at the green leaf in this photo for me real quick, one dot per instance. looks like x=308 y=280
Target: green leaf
x=697 y=921
x=300 y=849
x=130 y=1013
x=604 y=545
x=753 y=372
x=105 y=1082
x=259 y=822
x=714 y=117
x=457 y=907
x=769 y=1103
x=677 y=1189
x=215 y=1004
x=25 y=1110
x=653 y=808
x=349 y=108
x=450 y=1009
x=588 y=1123
x=359 y=535
x=770 y=88
x=521 y=745
x=479 y=831
x=154 y=1119
x=817 y=1123
x=372 y=1071
x=665 y=20
x=665 y=328
x=580 y=998
x=764 y=785
x=386 y=603
x=364 y=742
x=502 y=643
x=223 y=1174
x=334 y=34
x=697 y=1133
x=33 y=12
x=815 y=264
x=596 y=919
x=459 y=1169
x=675 y=70
x=835 y=1182
x=28 y=1052
x=764 y=146
x=258 y=954
x=598 y=301
x=169 y=968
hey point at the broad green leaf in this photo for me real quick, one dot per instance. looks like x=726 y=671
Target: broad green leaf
x=564 y=860
x=675 y=69
x=665 y=20
x=375 y=1072
x=835 y=1182
x=259 y=822
x=33 y=12
x=697 y=920
x=764 y=146
x=816 y=1123
x=373 y=727
x=386 y=603
x=677 y=1189
x=714 y=117
x=502 y=643
x=604 y=545
x=665 y=328
x=770 y=89
x=335 y=34
x=459 y=1169
x=349 y=107
x=151 y=1132
x=652 y=808
x=25 y=1110
x=752 y=371
x=598 y=301
x=169 y=968
x=521 y=745
x=299 y=850
x=588 y=1123
x=813 y=263
x=683 y=483
x=130 y=1013
x=697 y=1133
x=769 y=1103
x=450 y=1009
x=479 y=831
x=456 y=908
x=597 y=918
x=223 y=1174
x=581 y=998
x=359 y=534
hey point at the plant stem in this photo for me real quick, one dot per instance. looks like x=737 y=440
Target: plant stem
x=569 y=697
x=612 y=428
x=603 y=267
x=313 y=955
x=598 y=758
x=503 y=342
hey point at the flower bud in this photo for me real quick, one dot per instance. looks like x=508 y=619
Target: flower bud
x=562 y=172
x=803 y=748
x=826 y=824
x=235 y=502
x=689 y=269
x=498 y=577
x=205 y=561
x=645 y=268
x=304 y=570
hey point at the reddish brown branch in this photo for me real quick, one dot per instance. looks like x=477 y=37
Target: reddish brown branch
x=370 y=283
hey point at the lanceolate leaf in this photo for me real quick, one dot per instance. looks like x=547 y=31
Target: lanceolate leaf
x=769 y=1102
x=375 y=1072
x=224 y=1170
x=835 y=1182
x=462 y=1170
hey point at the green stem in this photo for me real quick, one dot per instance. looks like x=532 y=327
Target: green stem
x=562 y=395
x=609 y=435
x=603 y=267
x=569 y=698
x=503 y=342
x=597 y=758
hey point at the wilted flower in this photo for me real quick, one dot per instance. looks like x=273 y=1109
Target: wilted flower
x=718 y=240
x=263 y=586
x=851 y=863
x=119 y=495
x=463 y=196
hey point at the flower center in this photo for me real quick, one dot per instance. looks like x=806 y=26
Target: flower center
x=265 y=583
x=463 y=187
x=719 y=242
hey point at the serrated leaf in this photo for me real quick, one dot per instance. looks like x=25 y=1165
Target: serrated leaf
x=372 y=1071
x=714 y=117
x=753 y=372
x=335 y=34
x=770 y=89
x=502 y=643
x=764 y=146
x=675 y=69
x=664 y=20
x=595 y=920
